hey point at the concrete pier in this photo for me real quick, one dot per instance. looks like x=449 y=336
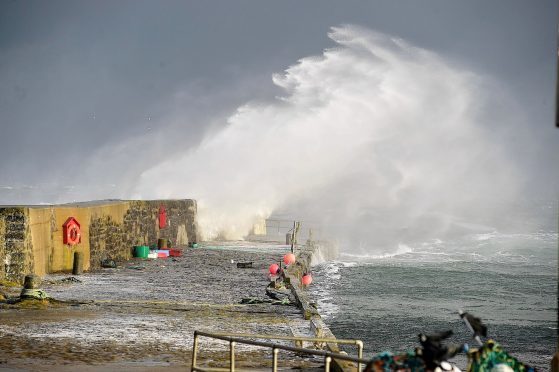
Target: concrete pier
x=143 y=314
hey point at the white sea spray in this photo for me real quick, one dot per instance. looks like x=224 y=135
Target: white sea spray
x=382 y=142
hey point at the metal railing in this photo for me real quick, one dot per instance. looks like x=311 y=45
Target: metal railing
x=234 y=338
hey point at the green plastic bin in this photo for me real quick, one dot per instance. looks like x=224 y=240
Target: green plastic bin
x=141 y=251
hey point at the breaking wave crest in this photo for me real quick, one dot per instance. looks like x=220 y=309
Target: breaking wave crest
x=378 y=140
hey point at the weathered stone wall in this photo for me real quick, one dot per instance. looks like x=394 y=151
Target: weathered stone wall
x=181 y=226
x=2 y=246
x=308 y=255
x=15 y=248
x=31 y=238
x=106 y=240
x=140 y=226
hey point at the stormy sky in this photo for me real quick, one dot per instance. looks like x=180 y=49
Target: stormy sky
x=96 y=95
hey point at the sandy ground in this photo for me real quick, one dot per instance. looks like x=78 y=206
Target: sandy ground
x=142 y=315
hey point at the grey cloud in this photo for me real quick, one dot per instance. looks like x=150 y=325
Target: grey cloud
x=83 y=78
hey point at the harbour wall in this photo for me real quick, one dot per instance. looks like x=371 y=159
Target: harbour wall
x=31 y=237
x=312 y=253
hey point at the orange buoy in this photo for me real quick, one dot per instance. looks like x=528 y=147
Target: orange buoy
x=274 y=269
x=289 y=259
x=306 y=279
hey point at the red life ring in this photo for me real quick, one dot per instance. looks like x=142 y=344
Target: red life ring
x=71 y=232
x=73 y=236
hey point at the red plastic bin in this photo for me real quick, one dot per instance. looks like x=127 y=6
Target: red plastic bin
x=175 y=253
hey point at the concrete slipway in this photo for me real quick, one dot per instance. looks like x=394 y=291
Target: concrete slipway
x=142 y=315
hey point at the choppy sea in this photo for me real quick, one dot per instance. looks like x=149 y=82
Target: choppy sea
x=509 y=280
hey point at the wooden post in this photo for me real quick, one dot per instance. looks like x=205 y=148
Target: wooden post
x=295 y=231
x=78 y=264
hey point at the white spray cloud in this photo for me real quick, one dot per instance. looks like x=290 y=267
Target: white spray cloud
x=375 y=138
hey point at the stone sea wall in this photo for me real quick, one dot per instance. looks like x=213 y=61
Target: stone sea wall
x=16 y=254
x=312 y=253
x=31 y=237
x=115 y=238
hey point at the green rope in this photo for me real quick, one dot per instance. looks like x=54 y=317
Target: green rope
x=37 y=294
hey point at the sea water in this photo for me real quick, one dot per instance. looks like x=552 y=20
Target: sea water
x=509 y=280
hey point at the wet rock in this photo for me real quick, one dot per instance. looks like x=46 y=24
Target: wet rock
x=108 y=264
x=70 y=279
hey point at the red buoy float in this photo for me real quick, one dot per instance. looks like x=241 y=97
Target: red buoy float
x=274 y=269
x=289 y=259
x=306 y=279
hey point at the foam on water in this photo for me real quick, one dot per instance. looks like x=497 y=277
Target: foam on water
x=402 y=250
x=332 y=270
x=485 y=236
x=386 y=301
x=324 y=296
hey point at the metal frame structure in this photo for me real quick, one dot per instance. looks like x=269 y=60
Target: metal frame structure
x=234 y=338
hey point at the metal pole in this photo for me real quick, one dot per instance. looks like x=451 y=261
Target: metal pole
x=359 y=353
x=275 y=359
x=293 y=237
x=194 y=350
x=327 y=361
x=232 y=355
x=234 y=340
